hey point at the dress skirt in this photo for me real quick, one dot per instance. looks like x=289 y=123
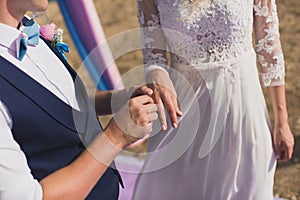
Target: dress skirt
x=222 y=148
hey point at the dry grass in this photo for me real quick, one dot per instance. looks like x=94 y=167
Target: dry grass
x=119 y=15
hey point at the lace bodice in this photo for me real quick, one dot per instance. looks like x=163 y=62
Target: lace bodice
x=202 y=31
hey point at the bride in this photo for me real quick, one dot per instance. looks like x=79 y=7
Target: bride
x=222 y=146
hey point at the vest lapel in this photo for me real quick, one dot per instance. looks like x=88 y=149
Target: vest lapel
x=41 y=96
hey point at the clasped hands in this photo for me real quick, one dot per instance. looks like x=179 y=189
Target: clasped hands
x=145 y=105
x=160 y=93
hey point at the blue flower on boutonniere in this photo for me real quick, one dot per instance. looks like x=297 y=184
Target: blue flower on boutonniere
x=54 y=35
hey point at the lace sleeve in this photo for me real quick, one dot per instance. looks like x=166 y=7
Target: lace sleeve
x=267 y=43
x=153 y=41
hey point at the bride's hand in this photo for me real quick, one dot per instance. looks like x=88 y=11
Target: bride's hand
x=283 y=141
x=164 y=94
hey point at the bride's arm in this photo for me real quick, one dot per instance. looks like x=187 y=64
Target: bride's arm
x=271 y=64
x=282 y=136
x=155 y=61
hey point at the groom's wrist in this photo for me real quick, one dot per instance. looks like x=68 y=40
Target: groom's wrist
x=116 y=135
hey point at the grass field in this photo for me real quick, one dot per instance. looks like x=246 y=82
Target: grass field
x=118 y=16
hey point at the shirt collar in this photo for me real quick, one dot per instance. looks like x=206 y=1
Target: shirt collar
x=8 y=36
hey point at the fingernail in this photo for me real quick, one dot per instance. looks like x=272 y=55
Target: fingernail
x=174 y=125
x=148 y=92
x=164 y=127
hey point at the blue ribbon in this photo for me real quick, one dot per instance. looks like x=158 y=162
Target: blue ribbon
x=61 y=48
x=30 y=36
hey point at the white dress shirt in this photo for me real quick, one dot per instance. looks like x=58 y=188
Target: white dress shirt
x=40 y=63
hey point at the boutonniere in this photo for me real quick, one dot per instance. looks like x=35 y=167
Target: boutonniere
x=55 y=36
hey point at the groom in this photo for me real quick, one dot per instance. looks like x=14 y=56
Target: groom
x=50 y=146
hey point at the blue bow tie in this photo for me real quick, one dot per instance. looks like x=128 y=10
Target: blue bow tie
x=30 y=36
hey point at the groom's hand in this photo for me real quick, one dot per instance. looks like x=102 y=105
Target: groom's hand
x=112 y=101
x=134 y=120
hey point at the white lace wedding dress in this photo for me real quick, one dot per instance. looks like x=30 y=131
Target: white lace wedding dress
x=222 y=148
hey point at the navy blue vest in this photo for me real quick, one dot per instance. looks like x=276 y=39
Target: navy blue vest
x=45 y=128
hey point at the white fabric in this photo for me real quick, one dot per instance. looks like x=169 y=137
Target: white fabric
x=211 y=31
x=222 y=148
x=154 y=67
x=41 y=64
x=234 y=161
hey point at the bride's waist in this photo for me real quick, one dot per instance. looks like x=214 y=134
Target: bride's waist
x=195 y=54
x=208 y=72
x=180 y=63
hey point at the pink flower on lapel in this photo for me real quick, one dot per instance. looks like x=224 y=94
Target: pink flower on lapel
x=48 y=31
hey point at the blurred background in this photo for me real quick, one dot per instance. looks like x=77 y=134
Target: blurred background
x=118 y=16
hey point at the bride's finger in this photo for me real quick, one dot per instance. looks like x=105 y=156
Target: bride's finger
x=283 y=153
x=179 y=112
x=289 y=151
x=177 y=108
x=170 y=105
x=162 y=116
x=161 y=112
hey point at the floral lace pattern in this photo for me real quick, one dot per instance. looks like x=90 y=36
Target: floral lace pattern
x=212 y=31
x=268 y=48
